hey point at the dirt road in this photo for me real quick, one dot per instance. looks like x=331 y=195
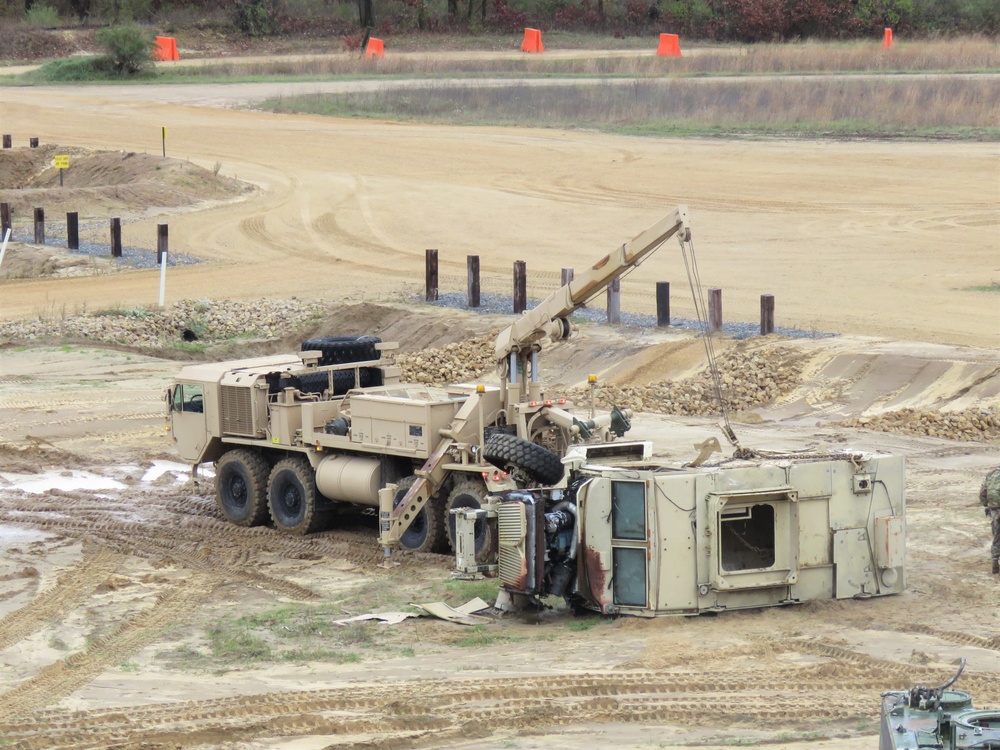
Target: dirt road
x=864 y=237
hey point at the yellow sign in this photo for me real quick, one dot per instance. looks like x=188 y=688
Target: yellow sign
x=60 y=161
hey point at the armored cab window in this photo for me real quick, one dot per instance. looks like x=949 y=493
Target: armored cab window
x=628 y=510
x=747 y=537
x=628 y=532
x=189 y=398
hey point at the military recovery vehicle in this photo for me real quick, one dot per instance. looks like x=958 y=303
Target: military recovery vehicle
x=291 y=435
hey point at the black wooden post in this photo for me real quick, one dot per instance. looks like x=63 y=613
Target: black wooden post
x=161 y=242
x=39 y=226
x=663 y=304
x=116 y=237
x=567 y=276
x=33 y=142
x=7 y=141
x=714 y=310
x=5 y=220
x=472 y=263
x=615 y=302
x=766 y=314
x=520 y=286
x=73 y=230
x=431 y=275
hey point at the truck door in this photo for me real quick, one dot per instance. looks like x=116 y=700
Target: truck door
x=188 y=425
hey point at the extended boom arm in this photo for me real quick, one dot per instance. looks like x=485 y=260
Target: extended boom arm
x=548 y=320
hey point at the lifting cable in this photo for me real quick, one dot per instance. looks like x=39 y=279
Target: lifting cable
x=701 y=310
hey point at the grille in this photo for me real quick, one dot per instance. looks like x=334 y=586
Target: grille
x=512 y=523
x=237 y=411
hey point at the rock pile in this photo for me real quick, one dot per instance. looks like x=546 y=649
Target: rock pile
x=207 y=322
x=749 y=379
x=455 y=363
x=975 y=424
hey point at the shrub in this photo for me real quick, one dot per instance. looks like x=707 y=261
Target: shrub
x=505 y=18
x=119 y=11
x=257 y=17
x=129 y=49
x=42 y=17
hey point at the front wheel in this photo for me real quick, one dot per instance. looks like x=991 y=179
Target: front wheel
x=292 y=497
x=241 y=487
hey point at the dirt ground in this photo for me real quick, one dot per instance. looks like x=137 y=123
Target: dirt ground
x=132 y=616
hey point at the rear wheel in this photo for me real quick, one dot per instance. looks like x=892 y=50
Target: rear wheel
x=292 y=497
x=426 y=531
x=471 y=494
x=241 y=487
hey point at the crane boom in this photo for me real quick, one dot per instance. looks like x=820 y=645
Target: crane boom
x=548 y=319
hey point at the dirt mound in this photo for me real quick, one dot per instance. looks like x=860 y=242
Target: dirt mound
x=101 y=182
x=979 y=424
x=749 y=378
x=28 y=262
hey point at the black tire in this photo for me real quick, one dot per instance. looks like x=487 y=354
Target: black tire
x=241 y=487
x=342 y=350
x=292 y=498
x=343 y=380
x=538 y=463
x=471 y=494
x=426 y=532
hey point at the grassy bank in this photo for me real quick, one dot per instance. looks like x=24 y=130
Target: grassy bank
x=882 y=107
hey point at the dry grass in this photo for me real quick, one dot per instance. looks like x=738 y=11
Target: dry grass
x=882 y=106
x=969 y=54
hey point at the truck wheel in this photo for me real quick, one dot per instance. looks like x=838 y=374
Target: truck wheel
x=471 y=494
x=538 y=463
x=241 y=487
x=292 y=497
x=426 y=531
x=341 y=350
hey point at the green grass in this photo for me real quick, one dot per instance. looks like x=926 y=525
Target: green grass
x=993 y=286
x=865 y=108
x=584 y=624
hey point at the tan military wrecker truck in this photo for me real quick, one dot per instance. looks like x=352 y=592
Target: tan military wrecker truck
x=522 y=488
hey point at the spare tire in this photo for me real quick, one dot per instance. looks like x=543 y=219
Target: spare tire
x=342 y=350
x=540 y=464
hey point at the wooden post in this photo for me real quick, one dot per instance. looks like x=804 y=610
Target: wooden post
x=766 y=314
x=431 y=275
x=567 y=276
x=161 y=242
x=663 y=304
x=116 y=237
x=714 y=310
x=73 y=230
x=615 y=302
x=6 y=141
x=472 y=263
x=39 y=226
x=33 y=142
x=5 y=220
x=520 y=286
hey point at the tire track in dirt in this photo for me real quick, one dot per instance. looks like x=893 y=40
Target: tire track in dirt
x=452 y=705
x=68 y=592
x=67 y=675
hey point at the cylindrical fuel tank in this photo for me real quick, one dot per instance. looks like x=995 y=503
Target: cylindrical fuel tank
x=351 y=479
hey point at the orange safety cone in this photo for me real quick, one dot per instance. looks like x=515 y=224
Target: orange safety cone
x=887 y=39
x=670 y=46
x=375 y=48
x=532 y=41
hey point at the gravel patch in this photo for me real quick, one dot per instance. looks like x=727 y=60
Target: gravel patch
x=501 y=304
x=133 y=257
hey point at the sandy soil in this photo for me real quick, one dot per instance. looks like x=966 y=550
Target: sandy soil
x=129 y=609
